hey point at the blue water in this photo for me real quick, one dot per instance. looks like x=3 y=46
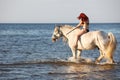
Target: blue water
x=27 y=52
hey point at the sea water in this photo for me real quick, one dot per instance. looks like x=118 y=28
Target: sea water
x=27 y=53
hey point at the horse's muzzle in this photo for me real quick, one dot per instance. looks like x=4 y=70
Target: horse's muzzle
x=53 y=39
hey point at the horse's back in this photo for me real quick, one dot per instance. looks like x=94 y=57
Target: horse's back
x=94 y=33
x=86 y=41
x=89 y=39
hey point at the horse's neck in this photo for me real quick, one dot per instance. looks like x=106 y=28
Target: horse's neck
x=65 y=30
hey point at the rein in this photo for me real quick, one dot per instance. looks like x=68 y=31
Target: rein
x=61 y=34
x=59 y=31
x=71 y=30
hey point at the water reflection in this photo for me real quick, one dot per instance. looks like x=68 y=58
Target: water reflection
x=83 y=71
x=89 y=67
x=60 y=71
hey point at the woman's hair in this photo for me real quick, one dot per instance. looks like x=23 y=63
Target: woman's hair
x=83 y=17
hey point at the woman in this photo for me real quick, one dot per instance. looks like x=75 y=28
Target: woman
x=84 y=23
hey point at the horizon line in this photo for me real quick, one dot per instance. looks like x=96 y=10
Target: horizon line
x=59 y=23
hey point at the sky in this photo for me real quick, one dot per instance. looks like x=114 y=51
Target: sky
x=59 y=11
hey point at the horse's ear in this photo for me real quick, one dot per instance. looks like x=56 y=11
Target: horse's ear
x=60 y=25
x=57 y=25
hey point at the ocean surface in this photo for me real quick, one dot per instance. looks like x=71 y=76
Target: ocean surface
x=28 y=53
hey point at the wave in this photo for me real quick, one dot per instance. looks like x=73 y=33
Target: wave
x=54 y=61
x=37 y=62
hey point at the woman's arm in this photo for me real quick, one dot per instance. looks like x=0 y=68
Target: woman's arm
x=80 y=24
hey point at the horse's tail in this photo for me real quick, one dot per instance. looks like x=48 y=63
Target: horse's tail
x=111 y=47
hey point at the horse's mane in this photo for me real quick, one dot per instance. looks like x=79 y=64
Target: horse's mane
x=68 y=26
x=65 y=26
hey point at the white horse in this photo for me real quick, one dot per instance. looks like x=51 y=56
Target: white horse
x=106 y=43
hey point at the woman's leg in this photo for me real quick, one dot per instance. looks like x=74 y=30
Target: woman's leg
x=81 y=32
x=78 y=36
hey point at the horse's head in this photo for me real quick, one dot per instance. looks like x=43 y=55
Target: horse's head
x=56 y=34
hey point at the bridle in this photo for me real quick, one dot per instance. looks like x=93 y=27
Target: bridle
x=59 y=33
